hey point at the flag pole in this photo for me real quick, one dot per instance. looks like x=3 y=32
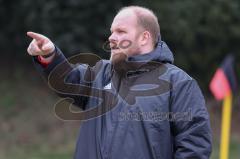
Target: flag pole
x=226 y=126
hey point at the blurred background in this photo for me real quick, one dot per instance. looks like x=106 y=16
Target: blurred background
x=200 y=33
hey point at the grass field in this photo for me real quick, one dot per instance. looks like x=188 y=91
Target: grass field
x=30 y=130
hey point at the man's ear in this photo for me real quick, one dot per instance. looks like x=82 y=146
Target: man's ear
x=145 y=38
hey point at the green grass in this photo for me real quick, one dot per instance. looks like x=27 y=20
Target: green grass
x=234 y=148
x=39 y=155
x=28 y=126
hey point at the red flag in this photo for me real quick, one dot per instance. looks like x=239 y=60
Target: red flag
x=224 y=80
x=219 y=85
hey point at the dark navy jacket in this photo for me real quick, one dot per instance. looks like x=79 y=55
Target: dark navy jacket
x=143 y=107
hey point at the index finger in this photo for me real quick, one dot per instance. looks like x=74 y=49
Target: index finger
x=36 y=36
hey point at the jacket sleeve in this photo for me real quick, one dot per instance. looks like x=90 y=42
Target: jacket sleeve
x=68 y=80
x=191 y=126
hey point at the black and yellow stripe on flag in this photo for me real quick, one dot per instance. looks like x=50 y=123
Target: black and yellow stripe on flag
x=223 y=84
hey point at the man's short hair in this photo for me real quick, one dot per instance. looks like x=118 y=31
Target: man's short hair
x=146 y=19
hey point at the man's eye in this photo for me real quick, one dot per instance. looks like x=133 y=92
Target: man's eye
x=121 y=31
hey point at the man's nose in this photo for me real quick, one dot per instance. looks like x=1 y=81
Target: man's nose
x=112 y=38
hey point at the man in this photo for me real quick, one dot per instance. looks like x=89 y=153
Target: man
x=158 y=112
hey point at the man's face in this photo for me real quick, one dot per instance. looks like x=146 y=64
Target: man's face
x=125 y=34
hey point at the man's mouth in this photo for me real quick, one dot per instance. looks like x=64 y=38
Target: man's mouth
x=114 y=48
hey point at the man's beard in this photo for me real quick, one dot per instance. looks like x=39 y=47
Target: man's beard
x=123 y=54
x=118 y=57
